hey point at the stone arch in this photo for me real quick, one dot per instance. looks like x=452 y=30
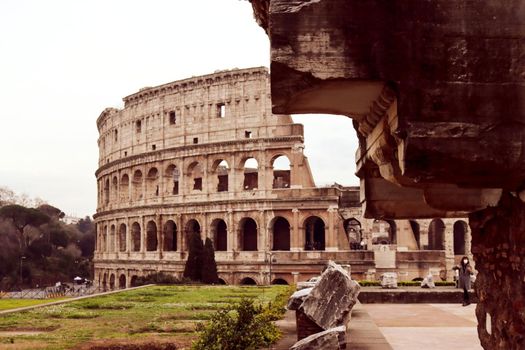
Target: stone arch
x=280 y=281
x=133 y=281
x=222 y=281
x=281 y=171
x=106 y=191
x=219 y=234
x=105 y=239
x=114 y=189
x=354 y=233
x=124 y=187
x=191 y=227
x=248 y=281
x=248 y=234
x=151 y=236
x=135 y=237
x=122 y=238
x=416 y=231
x=137 y=185
x=280 y=234
x=383 y=232
x=436 y=235
x=173 y=175
x=314 y=230
x=170 y=236
x=122 y=281
x=196 y=174
x=112 y=281
x=251 y=174
x=105 y=281
x=152 y=183
x=460 y=236
x=221 y=169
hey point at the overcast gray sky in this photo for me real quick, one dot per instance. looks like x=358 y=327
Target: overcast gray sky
x=63 y=61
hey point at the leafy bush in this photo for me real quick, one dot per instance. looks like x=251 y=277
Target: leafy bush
x=243 y=326
x=156 y=278
x=366 y=283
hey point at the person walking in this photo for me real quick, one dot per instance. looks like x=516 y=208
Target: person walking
x=465 y=271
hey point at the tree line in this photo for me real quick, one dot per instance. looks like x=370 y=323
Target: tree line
x=38 y=249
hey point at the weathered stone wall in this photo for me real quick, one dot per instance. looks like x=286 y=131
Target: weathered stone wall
x=499 y=251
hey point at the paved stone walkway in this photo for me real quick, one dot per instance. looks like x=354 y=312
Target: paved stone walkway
x=402 y=327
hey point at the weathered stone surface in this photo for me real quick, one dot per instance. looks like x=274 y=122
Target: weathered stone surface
x=498 y=245
x=331 y=300
x=331 y=339
x=389 y=280
x=297 y=298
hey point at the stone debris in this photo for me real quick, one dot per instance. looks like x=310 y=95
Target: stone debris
x=297 y=298
x=333 y=338
x=389 y=280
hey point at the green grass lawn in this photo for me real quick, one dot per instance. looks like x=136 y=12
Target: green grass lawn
x=6 y=304
x=158 y=312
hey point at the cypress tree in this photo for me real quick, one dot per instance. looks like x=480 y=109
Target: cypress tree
x=209 y=265
x=192 y=269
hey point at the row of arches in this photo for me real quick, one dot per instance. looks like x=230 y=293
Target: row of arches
x=136 y=185
x=168 y=238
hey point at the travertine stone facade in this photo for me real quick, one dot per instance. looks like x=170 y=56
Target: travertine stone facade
x=206 y=154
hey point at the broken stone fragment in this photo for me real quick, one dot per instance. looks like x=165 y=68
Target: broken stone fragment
x=333 y=338
x=389 y=280
x=329 y=303
x=297 y=298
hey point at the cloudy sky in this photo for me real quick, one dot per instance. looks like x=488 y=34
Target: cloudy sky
x=63 y=61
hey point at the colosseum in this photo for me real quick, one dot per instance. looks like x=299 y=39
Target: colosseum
x=206 y=154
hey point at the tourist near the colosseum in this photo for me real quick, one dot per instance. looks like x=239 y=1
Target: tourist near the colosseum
x=464 y=279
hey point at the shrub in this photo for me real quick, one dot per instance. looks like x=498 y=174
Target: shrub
x=209 y=265
x=192 y=269
x=156 y=278
x=243 y=326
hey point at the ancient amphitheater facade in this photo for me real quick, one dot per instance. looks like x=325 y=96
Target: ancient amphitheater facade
x=206 y=154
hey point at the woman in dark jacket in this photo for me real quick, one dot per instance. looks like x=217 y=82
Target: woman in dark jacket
x=465 y=271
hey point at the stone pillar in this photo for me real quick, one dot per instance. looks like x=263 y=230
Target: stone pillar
x=128 y=235
x=262 y=232
x=180 y=232
x=143 y=235
x=160 y=235
x=448 y=245
x=331 y=242
x=295 y=239
x=498 y=244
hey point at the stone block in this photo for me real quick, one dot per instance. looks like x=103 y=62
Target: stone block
x=329 y=303
x=333 y=338
x=389 y=280
x=297 y=298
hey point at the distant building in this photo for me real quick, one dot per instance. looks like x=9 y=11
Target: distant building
x=206 y=154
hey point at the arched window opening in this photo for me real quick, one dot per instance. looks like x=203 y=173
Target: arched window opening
x=112 y=281
x=105 y=239
x=170 y=236
x=137 y=185
x=247 y=281
x=222 y=281
x=354 y=233
x=281 y=234
x=314 y=233
x=281 y=172
x=105 y=281
x=192 y=226
x=122 y=238
x=383 y=232
x=222 y=176
x=122 y=281
x=248 y=234
x=124 y=188
x=195 y=171
x=280 y=281
x=173 y=175
x=106 y=191
x=220 y=235
x=114 y=189
x=416 y=231
x=152 y=182
x=151 y=236
x=460 y=234
x=135 y=237
x=436 y=235
x=251 y=174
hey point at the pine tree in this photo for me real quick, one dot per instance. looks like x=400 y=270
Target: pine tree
x=193 y=267
x=209 y=266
